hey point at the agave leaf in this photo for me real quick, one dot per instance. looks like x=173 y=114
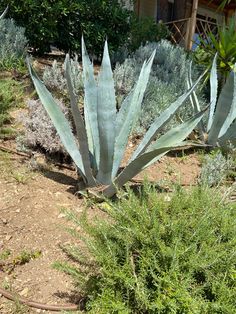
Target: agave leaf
x=106 y=118
x=214 y=91
x=90 y=106
x=4 y=13
x=131 y=111
x=222 y=110
x=181 y=130
x=232 y=113
x=171 y=140
x=121 y=114
x=135 y=167
x=61 y=124
x=195 y=102
x=79 y=124
x=162 y=120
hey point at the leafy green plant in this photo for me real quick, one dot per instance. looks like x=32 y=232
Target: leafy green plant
x=25 y=257
x=146 y=30
x=5 y=254
x=11 y=95
x=104 y=133
x=62 y=22
x=224 y=44
x=225 y=2
x=157 y=253
x=221 y=123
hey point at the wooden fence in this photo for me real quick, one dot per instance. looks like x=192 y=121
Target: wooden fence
x=180 y=31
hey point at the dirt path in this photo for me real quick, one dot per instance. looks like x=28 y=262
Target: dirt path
x=31 y=221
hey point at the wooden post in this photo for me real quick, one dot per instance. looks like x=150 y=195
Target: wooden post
x=186 y=43
x=192 y=25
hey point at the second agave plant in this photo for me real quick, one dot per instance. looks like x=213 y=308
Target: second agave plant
x=102 y=133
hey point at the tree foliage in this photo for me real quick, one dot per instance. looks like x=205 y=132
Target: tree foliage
x=62 y=22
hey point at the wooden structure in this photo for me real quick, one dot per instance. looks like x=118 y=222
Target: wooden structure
x=187 y=19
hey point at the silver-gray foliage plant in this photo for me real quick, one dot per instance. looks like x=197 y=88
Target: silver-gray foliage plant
x=39 y=130
x=54 y=76
x=13 y=42
x=220 y=126
x=214 y=169
x=167 y=81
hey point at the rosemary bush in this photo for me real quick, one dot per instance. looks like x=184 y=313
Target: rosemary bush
x=13 y=45
x=159 y=255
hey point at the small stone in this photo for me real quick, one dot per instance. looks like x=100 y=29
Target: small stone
x=24 y=292
x=18 y=210
x=57 y=194
x=8 y=237
x=4 y=221
x=61 y=215
x=167 y=198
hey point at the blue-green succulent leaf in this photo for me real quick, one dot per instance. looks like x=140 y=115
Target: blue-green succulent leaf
x=90 y=106
x=106 y=112
x=162 y=120
x=171 y=140
x=79 y=124
x=232 y=113
x=214 y=91
x=59 y=121
x=222 y=110
x=129 y=113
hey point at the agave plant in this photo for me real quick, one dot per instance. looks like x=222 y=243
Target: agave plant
x=221 y=123
x=103 y=132
x=221 y=126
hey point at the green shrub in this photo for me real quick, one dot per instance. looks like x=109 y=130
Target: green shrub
x=62 y=22
x=224 y=44
x=13 y=45
x=157 y=254
x=146 y=30
x=11 y=95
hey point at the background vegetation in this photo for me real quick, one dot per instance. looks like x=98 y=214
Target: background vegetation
x=62 y=22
